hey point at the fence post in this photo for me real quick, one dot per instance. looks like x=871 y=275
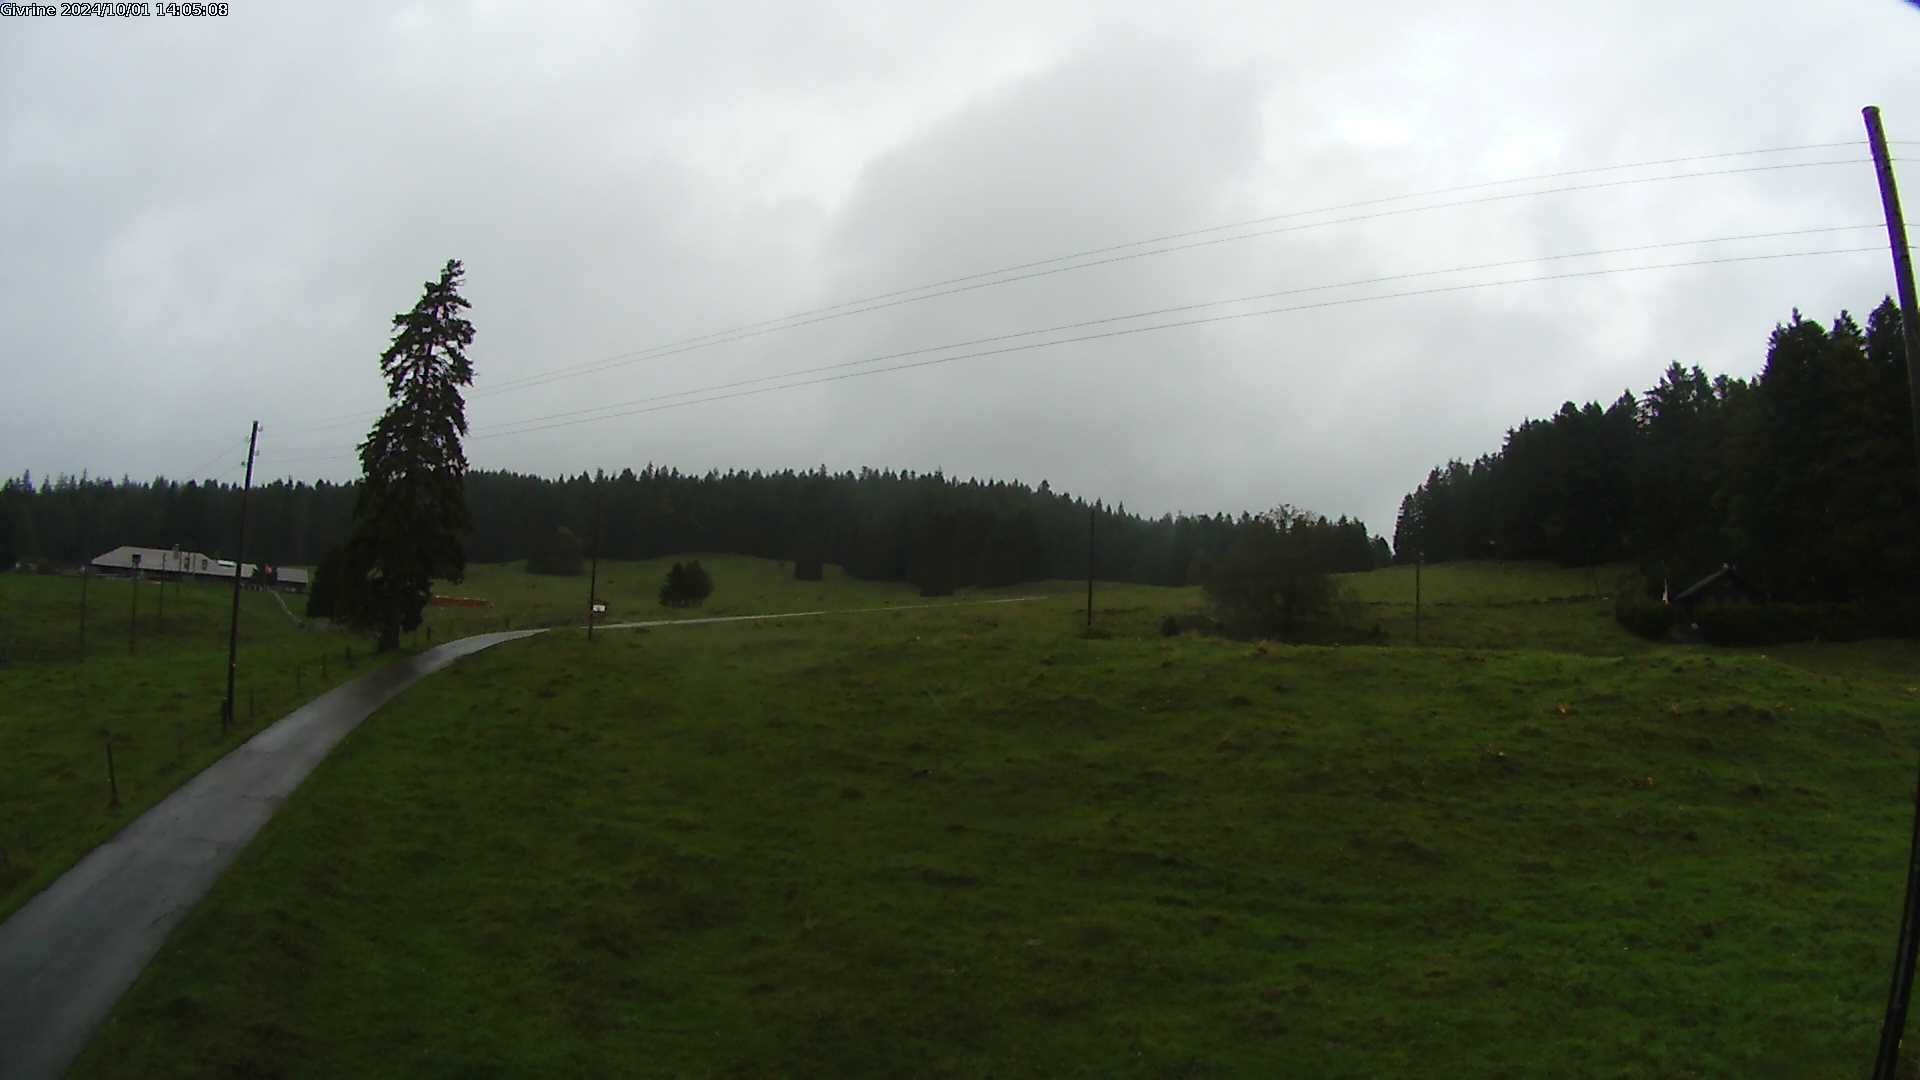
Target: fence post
x=113 y=781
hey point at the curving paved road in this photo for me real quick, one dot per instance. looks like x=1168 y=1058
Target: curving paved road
x=69 y=954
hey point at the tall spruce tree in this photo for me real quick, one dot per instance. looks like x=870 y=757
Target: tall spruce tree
x=412 y=508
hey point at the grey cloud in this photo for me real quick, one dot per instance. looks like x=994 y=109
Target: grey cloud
x=207 y=223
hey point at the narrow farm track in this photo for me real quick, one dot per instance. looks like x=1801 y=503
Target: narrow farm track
x=69 y=953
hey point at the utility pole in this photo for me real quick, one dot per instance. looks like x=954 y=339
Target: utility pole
x=1894 y=1025
x=160 y=612
x=86 y=571
x=1091 y=517
x=133 y=612
x=593 y=577
x=239 y=550
x=1419 y=557
x=1902 y=262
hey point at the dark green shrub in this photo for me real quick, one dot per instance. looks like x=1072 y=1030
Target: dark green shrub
x=1774 y=624
x=1175 y=625
x=1269 y=584
x=1643 y=614
x=687 y=585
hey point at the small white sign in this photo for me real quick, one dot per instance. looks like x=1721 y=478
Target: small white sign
x=599 y=609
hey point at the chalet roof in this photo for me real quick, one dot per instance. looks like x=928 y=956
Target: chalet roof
x=121 y=558
x=188 y=562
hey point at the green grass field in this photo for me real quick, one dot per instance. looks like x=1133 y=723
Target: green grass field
x=159 y=704
x=1494 y=606
x=742 y=586
x=976 y=841
x=157 y=700
x=1479 y=584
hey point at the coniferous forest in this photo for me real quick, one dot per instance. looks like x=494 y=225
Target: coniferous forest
x=927 y=528
x=1801 y=477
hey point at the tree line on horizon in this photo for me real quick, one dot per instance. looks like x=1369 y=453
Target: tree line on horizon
x=928 y=528
x=1802 y=477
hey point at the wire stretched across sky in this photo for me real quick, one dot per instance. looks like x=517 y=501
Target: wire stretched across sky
x=1178 y=324
x=1108 y=254
x=527 y=427
x=224 y=454
x=525 y=382
x=1180 y=308
x=830 y=310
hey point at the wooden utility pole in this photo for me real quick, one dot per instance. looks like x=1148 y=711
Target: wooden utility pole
x=1894 y=1025
x=1091 y=515
x=593 y=576
x=86 y=571
x=239 y=561
x=133 y=611
x=1902 y=263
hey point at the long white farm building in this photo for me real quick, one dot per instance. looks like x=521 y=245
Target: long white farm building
x=191 y=566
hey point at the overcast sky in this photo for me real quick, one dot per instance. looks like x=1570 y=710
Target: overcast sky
x=208 y=221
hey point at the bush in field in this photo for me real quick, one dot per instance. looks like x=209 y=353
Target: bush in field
x=687 y=585
x=1775 y=624
x=809 y=570
x=1637 y=609
x=1272 y=583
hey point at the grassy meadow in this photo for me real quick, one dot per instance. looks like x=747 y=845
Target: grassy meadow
x=977 y=841
x=741 y=586
x=157 y=700
x=1493 y=605
x=159 y=704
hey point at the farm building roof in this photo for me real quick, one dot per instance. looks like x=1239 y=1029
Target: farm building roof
x=166 y=560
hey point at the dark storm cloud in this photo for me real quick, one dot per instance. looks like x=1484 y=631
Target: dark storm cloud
x=206 y=222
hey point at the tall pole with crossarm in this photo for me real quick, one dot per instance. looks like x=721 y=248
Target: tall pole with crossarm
x=1894 y=1025
x=239 y=561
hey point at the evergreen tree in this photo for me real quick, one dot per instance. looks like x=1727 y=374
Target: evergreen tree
x=1801 y=476
x=324 y=590
x=686 y=585
x=933 y=556
x=412 y=509
x=11 y=504
x=699 y=584
x=558 y=553
x=673 y=591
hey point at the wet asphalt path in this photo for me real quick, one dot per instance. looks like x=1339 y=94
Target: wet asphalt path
x=69 y=954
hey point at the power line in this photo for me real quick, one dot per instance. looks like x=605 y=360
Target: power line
x=1028 y=271
x=1184 y=308
x=1125 y=332
x=192 y=474
x=768 y=325
x=531 y=425
x=531 y=381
